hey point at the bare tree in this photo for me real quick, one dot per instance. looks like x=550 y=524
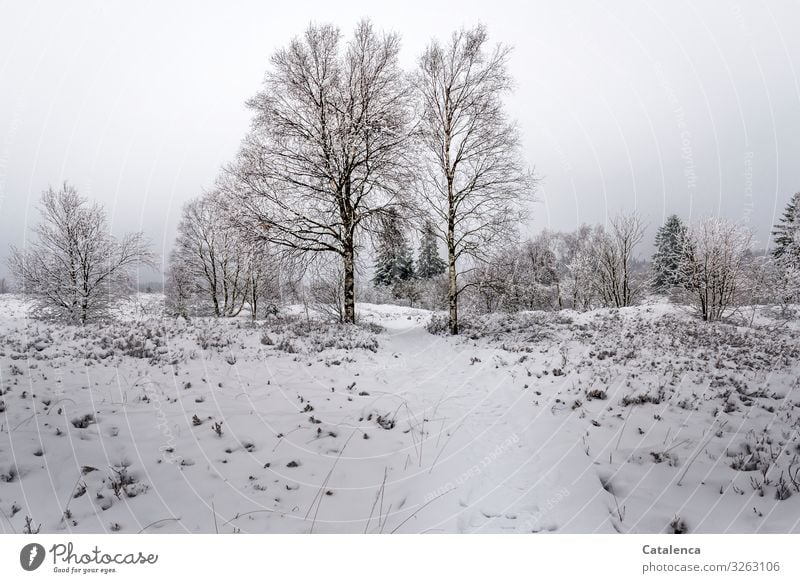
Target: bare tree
x=471 y=176
x=269 y=278
x=3 y=286
x=179 y=286
x=325 y=290
x=574 y=265
x=522 y=277
x=325 y=156
x=613 y=258
x=714 y=266
x=75 y=268
x=211 y=262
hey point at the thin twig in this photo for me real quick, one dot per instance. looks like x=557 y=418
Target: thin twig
x=14 y=530
x=420 y=508
x=156 y=522
x=697 y=453
x=385 y=520
x=622 y=430
x=375 y=502
x=324 y=484
x=238 y=516
x=449 y=437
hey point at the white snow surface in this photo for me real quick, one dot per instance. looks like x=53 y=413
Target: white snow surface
x=633 y=420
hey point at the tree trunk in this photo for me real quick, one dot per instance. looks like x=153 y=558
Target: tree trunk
x=452 y=283
x=349 y=283
x=253 y=299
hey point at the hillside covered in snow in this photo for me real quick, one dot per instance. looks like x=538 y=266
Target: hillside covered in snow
x=640 y=419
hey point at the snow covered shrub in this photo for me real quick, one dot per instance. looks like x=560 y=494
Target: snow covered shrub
x=84 y=421
x=525 y=327
x=678 y=526
x=208 y=337
x=298 y=335
x=285 y=345
x=74 y=269
x=343 y=338
x=598 y=394
x=433 y=292
x=9 y=475
x=438 y=324
x=371 y=327
x=714 y=267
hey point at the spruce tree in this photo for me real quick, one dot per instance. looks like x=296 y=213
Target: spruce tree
x=670 y=243
x=429 y=263
x=787 y=234
x=393 y=261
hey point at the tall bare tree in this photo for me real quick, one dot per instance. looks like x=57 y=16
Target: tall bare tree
x=472 y=178
x=74 y=267
x=613 y=251
x=215 y=268
x=326 y=154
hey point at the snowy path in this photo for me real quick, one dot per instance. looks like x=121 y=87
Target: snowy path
x=497 y=461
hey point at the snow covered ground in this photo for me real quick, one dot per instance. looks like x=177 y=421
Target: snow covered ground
x=631 y=420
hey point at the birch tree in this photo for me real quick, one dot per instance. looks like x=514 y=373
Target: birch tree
x=471 y=177
x=325 y=157
x=613 y=258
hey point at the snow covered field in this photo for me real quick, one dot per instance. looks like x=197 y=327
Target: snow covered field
x=632 y=420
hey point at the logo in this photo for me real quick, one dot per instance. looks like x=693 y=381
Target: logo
x=31 y=556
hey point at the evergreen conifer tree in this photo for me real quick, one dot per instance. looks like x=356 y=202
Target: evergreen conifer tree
x=670 y=243
x=429 y=263
x=393 y=261
x=787 y=234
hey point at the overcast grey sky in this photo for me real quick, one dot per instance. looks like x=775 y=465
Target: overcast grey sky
x=685 y=107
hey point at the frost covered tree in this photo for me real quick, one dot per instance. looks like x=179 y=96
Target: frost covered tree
x=393 y=261
x=267 y=277
x=74 y=268
x=471 y=177
x=613 y=258
x=213 y=268
x=429 y=262
x=714 y=268
x=574 y=264
x=538 y=274
x=524 y=277
x=670 y=240
x=787 y=234
x=179 y=287
x=326 y=155
x=786 y=253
